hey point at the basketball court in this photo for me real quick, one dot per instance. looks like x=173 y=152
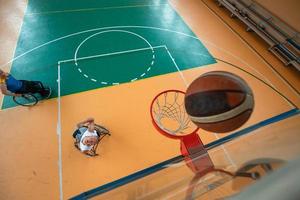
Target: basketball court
x=109 y=60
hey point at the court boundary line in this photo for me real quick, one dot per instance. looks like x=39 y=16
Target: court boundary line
x=179 y=71
x=162 y=165
x=93 y=9
x=58 y=132
x=109 y=54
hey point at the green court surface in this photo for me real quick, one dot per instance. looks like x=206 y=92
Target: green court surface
x=102 y=43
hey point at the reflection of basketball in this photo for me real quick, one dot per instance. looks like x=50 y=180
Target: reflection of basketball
x=219 y=101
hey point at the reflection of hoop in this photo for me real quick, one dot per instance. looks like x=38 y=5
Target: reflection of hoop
x=197 y=187
x=194 y=183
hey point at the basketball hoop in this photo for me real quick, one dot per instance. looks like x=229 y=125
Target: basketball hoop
x=170 y=119
x=169 y=116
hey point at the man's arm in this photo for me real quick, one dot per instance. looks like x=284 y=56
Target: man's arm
x=88 y=120
x=91 y=126
x=4 y=91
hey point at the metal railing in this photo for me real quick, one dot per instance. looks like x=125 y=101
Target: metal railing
x=284 y=42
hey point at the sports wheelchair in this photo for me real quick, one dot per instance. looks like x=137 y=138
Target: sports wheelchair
x=101 y=132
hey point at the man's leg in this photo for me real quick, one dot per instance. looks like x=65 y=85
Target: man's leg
x=38 y=87
x=25 y=89
x=34 y=87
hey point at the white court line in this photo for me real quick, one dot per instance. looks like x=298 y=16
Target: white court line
x=203 y=182
x=118 y=31
x=180 y=73
x=162 y=188
x=226 y=152
x=59 y=135
x=103 y=82
x=110 y=31
x=111 y=54
x=93 y=9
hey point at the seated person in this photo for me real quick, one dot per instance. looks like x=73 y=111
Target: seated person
x=13 y=87
x=86 y=136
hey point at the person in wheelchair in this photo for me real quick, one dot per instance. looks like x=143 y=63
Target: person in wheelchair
x=13 y=87
x=88 y=135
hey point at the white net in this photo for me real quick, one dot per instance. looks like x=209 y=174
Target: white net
x=169 y=113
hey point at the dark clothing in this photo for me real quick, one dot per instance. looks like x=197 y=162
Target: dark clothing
x=32 y=87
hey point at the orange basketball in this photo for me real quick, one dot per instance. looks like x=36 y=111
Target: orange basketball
x=219 y=101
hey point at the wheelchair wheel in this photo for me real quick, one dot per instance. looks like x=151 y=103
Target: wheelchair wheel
x=26 y=100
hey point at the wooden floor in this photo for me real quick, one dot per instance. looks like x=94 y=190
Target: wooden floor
x=29 y=156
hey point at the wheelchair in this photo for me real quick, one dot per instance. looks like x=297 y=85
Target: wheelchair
x=101 y=132
x=31 y=98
